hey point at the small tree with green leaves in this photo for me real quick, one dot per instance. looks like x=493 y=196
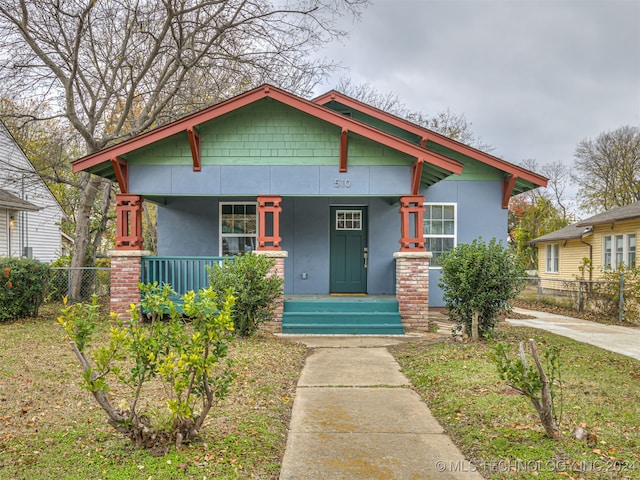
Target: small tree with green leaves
x=187 y=358
x=530 y=380
x=255 y=289
x=478 y=280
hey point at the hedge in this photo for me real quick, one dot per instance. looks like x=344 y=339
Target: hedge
x=22 y=287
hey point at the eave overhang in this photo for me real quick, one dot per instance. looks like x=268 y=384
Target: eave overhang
x=12 y=202
x=100 y=163
x=517 y=179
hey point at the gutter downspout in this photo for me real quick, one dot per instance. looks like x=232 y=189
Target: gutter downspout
x=590 y=256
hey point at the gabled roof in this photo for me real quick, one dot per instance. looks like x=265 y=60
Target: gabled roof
x=627 y=212
x=13 y=202
x=109 y=161
x=524 y=179
x=569 y=232
x=578 y=229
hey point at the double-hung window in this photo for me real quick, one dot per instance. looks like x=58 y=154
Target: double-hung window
x=552 y=258
x=238 y=228
x=618 y=251
x=439 y=229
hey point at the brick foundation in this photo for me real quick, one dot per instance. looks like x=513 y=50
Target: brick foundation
x=126 y=266
x=275 y=325
x=412 y=289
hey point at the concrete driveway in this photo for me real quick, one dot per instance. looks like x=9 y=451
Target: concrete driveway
x=615 y=338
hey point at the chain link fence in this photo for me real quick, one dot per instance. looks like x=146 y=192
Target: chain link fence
x=95 y=281
x=599 y=296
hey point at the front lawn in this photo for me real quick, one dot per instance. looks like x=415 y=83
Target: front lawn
x=499 y=430
x=50 y=428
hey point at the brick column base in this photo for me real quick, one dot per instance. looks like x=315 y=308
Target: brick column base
x=275 y=324
x=126 y=269
x=412 y=289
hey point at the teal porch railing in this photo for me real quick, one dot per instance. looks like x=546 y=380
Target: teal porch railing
x=182 y=273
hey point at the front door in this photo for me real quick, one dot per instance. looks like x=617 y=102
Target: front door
x=349 y=250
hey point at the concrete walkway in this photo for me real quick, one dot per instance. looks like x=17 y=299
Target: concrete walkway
x=623 y=340
x=354 y=417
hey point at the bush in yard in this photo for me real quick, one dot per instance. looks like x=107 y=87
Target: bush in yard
x=187 y=358
x=478 y=280
x=22 y=287
x=609 y=294
x=256 y=292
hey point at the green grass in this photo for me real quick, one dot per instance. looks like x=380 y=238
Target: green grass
x=499 y=430
x=51 y=429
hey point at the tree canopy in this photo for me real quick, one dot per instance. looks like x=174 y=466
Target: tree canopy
x=113 y=69
x=607 y=169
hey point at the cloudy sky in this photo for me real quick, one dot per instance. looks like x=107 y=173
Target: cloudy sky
x=534 y=77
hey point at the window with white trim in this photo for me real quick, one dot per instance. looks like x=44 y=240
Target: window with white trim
x=439 y=229
x=618 y=251
x=552 y=258
x=238 y=228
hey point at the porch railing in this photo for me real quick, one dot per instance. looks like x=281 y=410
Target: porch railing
x=182 y=273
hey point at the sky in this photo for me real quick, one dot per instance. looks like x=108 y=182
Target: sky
x=533 y=77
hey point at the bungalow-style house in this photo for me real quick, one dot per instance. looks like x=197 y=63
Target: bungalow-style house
x=607 y=240
x=356 y=205
x=30 y=215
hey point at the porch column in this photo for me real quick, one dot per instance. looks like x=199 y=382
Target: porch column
x=412 y=289
x=412 y=221
x=126 y=270
x=412 y=266
x=129 y=222
x=275 y=325
x=269 y=216
x=126 y=259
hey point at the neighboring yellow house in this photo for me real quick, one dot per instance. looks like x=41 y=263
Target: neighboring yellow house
x=608 y=240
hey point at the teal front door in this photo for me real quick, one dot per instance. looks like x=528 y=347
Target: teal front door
x=349 y=250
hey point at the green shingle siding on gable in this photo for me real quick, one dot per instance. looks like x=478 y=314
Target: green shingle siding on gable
x=473 y=169
x=269 y=133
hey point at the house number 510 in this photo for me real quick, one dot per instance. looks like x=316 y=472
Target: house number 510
x=342 y=183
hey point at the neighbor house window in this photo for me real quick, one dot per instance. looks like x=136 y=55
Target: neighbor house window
x=552 y=258
x=618 y=251
x=439 y=229
x=238 y=228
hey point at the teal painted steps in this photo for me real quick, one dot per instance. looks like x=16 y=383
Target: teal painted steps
x=342 y=315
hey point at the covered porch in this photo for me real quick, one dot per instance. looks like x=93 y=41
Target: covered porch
x=381 y=290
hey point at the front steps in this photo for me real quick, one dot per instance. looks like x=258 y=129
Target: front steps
x=342 y=315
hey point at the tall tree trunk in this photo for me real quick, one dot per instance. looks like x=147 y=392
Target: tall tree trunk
x=81 y=255
x=104 y=215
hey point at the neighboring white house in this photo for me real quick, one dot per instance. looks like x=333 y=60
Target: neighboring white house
x=30 y=215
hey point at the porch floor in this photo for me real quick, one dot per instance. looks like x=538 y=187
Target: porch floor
x=341 y=314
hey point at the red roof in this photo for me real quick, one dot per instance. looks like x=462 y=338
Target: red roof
x=429 y=135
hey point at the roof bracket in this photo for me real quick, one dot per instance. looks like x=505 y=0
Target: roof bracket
x=343 y=150
x=508 y=184
x=121 y=169
x=416 y=175
x=196 y=152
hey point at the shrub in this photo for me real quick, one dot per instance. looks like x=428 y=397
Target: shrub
x=531 y=380
x=22 y=287
x=256 y=292
x=187 y=358
x=478 y=280
x=608 y=293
